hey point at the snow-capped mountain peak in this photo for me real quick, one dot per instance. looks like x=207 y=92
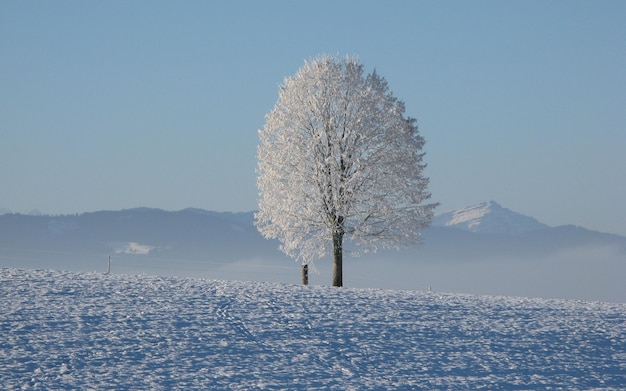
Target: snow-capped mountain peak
x=488 y=217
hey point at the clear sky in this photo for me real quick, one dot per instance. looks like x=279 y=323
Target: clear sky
x=119 y=104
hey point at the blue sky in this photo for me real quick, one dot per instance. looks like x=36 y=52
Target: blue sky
x=119 y=104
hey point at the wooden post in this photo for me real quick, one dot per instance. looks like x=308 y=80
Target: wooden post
x=305 y=274
x=109 y=267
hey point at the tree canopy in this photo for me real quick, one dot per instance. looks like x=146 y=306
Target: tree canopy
x=338 y=158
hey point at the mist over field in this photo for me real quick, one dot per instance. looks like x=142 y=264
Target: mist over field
x=482 y=249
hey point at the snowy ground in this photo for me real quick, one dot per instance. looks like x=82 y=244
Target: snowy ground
x=66 y=330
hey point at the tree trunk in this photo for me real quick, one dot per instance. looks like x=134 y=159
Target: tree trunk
x=305 y=274
x=338 y=258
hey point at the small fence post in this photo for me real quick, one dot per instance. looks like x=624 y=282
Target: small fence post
x=305 y=274
x=109 y=267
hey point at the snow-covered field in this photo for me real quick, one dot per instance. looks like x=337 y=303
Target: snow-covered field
x=67 y=330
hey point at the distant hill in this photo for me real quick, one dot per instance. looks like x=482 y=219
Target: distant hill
x=139 y=240
x=488 y=229
x=484 y=249
x=488 y=217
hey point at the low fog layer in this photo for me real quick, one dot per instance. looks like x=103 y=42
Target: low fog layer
x=536 y=261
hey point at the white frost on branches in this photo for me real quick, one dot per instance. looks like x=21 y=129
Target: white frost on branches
x=338 y=156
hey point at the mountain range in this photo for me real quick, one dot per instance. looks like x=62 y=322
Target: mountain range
x=484 y=248
x=488 y=217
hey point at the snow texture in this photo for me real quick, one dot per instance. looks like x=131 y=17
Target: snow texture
x=65 y=330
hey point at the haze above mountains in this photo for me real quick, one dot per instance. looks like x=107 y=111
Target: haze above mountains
x=484 y=249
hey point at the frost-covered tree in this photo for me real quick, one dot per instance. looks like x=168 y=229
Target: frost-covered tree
x=339 y=160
